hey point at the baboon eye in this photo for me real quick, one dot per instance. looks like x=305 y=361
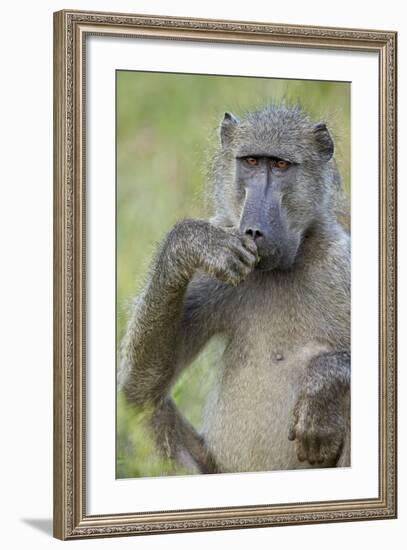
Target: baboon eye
x=281 y=164
x=251 y=161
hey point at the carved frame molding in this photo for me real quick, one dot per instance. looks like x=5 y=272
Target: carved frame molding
x=70 y=31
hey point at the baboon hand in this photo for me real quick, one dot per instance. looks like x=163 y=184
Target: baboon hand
x=228 y=256
x=318 y=429
x=199 y=245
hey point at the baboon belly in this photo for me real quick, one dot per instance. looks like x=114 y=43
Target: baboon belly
x=249 y=414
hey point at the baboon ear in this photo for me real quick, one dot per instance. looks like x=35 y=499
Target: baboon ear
x=324 y=142
x=227 y=128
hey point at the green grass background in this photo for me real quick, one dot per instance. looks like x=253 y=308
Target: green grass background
x=167 y=128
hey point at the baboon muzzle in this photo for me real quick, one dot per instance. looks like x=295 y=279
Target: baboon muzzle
x=264 y=221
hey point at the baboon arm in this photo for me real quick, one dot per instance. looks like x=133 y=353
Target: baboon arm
x=203 y=315
x=177 y=312
x=164 y=335
x=330 y=371
x=321 y=417
x=168 y=328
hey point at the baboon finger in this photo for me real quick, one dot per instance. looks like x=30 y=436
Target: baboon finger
x=249 y=244
x=330 y=451
x=248 y=258
x=314 y=448
x=292 y=428
x=302 y=449
x=291 y=433
x=233 y=272
x=319 y=459
x=235 y=277
x=242 y=269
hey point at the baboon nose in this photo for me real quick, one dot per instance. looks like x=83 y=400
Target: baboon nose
x=254 y=233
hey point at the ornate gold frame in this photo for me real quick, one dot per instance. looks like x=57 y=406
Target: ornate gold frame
x=70 y=31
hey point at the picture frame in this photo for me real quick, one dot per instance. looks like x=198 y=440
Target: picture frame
x=72 y=383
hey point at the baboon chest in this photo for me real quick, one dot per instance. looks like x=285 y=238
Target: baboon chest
x=271 y=340
x=271 y=322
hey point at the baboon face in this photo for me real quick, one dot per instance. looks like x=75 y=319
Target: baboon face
x=278 y=159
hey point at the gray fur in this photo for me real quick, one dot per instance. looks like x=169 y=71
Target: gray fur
x=282 y=397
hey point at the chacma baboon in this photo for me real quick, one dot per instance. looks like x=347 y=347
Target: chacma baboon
x=269 y=274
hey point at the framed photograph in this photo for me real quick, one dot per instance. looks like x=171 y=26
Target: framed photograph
x=225 y=274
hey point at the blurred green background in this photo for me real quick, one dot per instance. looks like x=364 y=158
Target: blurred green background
x=166 y=132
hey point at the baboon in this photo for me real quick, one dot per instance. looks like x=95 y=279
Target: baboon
x=269 y=274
